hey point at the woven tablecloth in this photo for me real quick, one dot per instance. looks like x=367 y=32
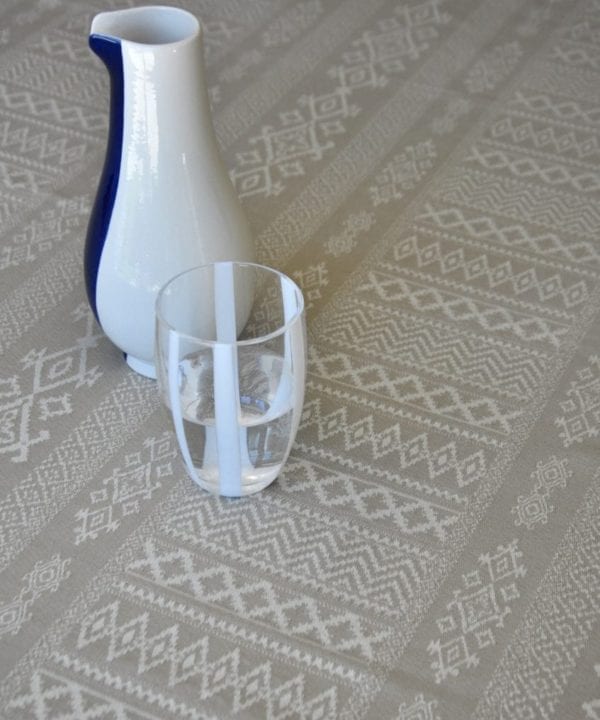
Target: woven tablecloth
x=428 y=171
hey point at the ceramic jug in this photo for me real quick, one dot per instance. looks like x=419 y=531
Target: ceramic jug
x=165 y=201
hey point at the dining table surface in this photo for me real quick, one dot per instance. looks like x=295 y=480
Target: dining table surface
x=428 y=172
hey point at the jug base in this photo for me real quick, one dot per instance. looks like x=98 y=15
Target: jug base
x=141 y=366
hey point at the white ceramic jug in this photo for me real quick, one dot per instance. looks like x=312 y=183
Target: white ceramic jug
x=165 y=201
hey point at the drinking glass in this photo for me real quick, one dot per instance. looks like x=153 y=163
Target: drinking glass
x=231 y=366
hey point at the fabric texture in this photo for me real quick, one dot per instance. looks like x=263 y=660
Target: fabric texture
x=428 y=171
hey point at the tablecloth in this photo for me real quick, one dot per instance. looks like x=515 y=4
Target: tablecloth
x=428 y=172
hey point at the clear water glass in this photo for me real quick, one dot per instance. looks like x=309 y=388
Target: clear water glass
x=231 y=366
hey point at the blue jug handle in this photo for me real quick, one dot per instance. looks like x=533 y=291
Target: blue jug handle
x=108 y=49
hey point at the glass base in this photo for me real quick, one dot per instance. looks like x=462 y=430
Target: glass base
x=249 y=484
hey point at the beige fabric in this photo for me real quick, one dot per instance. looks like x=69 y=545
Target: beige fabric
x=428 y=171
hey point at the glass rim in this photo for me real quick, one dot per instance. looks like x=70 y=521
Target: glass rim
x=280 y=330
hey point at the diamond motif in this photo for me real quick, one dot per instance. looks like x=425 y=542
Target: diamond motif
x=35 y=390
x=581 y=420
x=476 y=615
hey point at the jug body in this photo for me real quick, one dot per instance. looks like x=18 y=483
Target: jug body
x=165 y=201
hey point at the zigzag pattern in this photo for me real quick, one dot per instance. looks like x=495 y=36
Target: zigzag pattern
x=227 y=674
x=394 y=291
x=324 y=418
x=580 y=143
x=260 y=600
x=562 y=84
x=573 y=213
x=47 y=690
x=306 y=551
x=576 y=55
x=530 y=307
x=474 y=360
x=446 y=400
x=88 y=120
x=450 y=258
x=60 y=45
x=48 y=76
x=239 y=680
x=314 y=486
x=526 y=166
x=486 y=227
x=272 y=699
x=46 y=146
